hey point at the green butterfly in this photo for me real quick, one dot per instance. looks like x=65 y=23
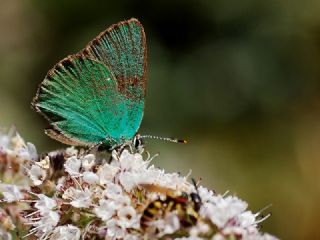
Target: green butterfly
x=96 y=97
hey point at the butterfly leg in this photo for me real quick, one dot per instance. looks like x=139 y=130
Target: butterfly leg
x=92 y=147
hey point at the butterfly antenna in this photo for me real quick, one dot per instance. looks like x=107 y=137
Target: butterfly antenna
x=169 y=139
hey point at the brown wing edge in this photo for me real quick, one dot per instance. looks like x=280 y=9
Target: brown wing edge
x=59 y=136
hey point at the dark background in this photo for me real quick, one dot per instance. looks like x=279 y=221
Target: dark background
x=239 y=79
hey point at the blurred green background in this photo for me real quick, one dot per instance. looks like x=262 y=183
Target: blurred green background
x=239 y=79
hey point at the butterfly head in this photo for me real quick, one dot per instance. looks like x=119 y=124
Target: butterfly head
x=137 y=142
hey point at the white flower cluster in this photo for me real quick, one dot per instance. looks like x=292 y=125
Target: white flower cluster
x=76 y=195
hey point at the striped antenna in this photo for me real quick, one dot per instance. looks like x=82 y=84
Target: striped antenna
x=169 y=139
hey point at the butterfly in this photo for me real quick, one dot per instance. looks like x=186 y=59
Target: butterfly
x=97 y=96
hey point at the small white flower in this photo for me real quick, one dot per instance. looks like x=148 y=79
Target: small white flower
x=71 y=151
x=88 y=161
x=106 y=173
x=106 y=209
x=46 y=223
x=72 y=166
x=45 y=204
x=246 y=219
x=150 y=176
x=129 y=180
x=127 y=217
x=171 y=180
x=82 y=198
x=222 y=210
x=114 y=230
x=51 y=218
x=67 y=232
x=130 y=161
x=113 y=191
x=37 y=174
x=12 y=194
x=205 y=194
x=90 y=178
x=123 y=200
